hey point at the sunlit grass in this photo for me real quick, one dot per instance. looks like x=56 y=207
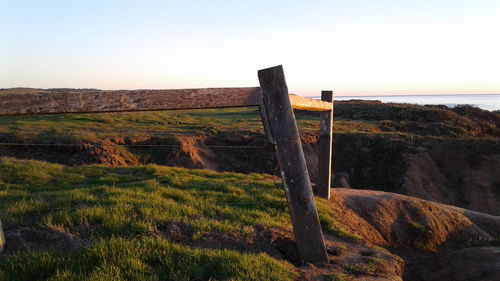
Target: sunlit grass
x=142 y=259
x=70 y=127
x=114 y=198
x=401 y=119
x=122 y=211
x=126 y=209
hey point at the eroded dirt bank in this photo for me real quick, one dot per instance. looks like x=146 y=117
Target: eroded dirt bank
x=436 y=241
x=460 y=172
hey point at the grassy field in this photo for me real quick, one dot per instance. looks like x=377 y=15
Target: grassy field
x=150 y=222
x=350 y=117
x=102 y=223
x=158 y=123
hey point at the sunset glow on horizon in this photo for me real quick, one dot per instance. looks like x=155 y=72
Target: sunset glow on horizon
x=351 y=47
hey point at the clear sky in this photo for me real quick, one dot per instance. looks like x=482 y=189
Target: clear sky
x=350 y=46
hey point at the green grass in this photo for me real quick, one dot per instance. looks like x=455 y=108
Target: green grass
x=122 y=215
x=369 y=266
x=350 y=117
x=136 y=200
x=353 y=269
x=142 y=259
x=123 y=211
x=420 y=234
x=329 y=224
x=89 y=127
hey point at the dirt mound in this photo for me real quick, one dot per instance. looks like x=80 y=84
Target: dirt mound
x=194 y=154
x=105 y=153
x=390 y=219
x=436 y=241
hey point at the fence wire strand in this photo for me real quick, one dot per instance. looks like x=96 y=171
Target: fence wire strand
x=271 y=180
x=140 y=145
x=240 y=184
x=156 y=206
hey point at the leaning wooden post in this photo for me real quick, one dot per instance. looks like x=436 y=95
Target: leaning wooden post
x=286 y=139
x=325 y=148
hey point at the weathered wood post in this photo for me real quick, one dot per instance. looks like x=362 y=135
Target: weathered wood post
x=2 y=238
x=286 y=139
x=325 y=148
x=265 y=123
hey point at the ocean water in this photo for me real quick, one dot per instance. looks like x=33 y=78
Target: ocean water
x=488 y=102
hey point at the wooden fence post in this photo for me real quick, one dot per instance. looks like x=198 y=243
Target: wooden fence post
x=325 y=148
x=2 y=238
x=265 y=123
x=286 y=139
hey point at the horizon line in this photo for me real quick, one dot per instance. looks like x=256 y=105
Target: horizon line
x=291 y=92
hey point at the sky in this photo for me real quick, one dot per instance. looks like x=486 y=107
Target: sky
x=355 y=47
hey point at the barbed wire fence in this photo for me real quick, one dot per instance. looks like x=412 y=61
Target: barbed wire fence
x=140 y=145
x=274 y=177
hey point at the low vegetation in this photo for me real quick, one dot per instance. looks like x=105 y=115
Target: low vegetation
x=138 y=223
x=463 y=121
x=338 y=277
x=90 y=127
x=142 y=259
x=151 y=222
x=121 y=216
x=359 y=117
x=147 y=193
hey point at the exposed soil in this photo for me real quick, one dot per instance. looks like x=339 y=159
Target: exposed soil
x=433 y=239
x=404 y=221
x=25 y=239
x=463 y=173
x=263 y=240
x=367 y=263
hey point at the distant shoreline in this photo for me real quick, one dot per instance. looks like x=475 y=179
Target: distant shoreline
x=489 y=102
x=410 y=95
x=421 y=95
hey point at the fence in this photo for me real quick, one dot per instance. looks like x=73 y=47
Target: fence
x=276 y=108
